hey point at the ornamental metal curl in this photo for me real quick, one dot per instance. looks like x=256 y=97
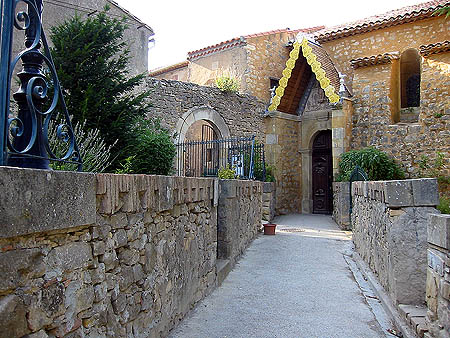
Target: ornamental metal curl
x=24 y=135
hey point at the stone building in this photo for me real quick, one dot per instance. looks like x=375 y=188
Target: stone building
x=382 y=81
x=256 y=59
x=136 y=36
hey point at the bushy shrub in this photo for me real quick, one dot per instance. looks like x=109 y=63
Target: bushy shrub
x=95 y=153
x=437 y=168
x=377 y=165
x=152 y=149
x=226 y=173
x=228 y=82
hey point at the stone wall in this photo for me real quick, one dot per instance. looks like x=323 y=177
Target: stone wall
x=268 y=201
x=136 y=36
x=266 y=58
x=389 y=221
x=239 y=216
x=438 y=277
x=109 y=255
x=376 y=92
x=172 y=99
x=341 y=204
x=373 y=123
x=282 y=152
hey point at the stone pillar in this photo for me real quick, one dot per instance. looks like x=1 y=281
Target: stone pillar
x=438 y=276
x=307 y=201
x=337 y=137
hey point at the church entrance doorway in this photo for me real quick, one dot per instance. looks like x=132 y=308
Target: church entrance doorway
x=322 y=173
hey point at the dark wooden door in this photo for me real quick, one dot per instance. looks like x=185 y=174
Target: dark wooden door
x=322 y=171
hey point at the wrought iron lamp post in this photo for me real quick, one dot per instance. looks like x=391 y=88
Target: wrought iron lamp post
x=29 y=129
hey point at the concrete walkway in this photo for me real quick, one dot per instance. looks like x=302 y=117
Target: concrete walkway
x=294 y=284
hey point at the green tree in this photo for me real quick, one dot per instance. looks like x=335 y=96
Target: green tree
x=92 y=58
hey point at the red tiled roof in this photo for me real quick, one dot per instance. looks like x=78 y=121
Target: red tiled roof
x=240 y=41
x=435 y=48
x=327 y=65
x=162 y=70
x=391 y=18
x=374 y=60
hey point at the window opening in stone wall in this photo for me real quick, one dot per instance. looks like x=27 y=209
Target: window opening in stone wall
x=410 y=78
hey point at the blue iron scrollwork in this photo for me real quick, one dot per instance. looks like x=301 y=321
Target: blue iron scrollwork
x=24 y=140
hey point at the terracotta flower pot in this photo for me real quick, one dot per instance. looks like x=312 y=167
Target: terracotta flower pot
x=269 y=229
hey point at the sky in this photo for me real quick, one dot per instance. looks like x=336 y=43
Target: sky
x=183 y=26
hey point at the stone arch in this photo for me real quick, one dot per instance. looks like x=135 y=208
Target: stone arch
x=197 y=114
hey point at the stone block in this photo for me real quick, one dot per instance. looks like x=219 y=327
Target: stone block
x=165 y=188
x=16 y=266
x=436 y=261
x=39 y=334
x=398 y=193
x=227 y=188
x=69 y=257
x=439 y=230
x=444 y=289
x=268 y=187
x=36 y=200
x=13 y=322
x=425 y=192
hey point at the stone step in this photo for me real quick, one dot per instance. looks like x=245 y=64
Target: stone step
x=415 y=317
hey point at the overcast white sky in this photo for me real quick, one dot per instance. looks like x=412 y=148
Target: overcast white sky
x=182 y=26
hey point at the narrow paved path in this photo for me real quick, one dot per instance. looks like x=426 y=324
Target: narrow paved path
x=294 y=284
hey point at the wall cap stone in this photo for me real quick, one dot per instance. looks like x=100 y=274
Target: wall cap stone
x=35 y=200
x=400 y=193
x=439 y=230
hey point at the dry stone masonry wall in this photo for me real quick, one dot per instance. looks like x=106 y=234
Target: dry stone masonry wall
x=389 y=221
x=239 y=216
x=438 y=276
x=171 y=99
x=341 y=204
x=109 y=255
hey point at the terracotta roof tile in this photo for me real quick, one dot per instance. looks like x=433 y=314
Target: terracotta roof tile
x=388 y=19
x=374 y=60
x=435 y=48
x=162 y=70
x=327 y=65
x=240 y=41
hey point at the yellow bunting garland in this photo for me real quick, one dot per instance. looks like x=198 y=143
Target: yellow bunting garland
x=287 y=72
x=316 y=67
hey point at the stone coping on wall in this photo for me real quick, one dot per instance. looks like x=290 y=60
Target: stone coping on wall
x=35 y=200
x=400 y=193
x=129 y=193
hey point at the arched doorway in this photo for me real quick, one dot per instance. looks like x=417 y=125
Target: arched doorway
x=322 y=173
x=196 y=133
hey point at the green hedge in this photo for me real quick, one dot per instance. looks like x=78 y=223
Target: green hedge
x=377 y=165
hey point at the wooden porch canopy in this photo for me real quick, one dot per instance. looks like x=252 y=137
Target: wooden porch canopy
x=307 y=62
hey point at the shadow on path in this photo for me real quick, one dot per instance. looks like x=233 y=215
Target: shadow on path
x=294 y=284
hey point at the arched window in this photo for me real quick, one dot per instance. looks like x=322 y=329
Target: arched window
x=410 y=78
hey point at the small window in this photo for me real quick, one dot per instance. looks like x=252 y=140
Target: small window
x=410 y=78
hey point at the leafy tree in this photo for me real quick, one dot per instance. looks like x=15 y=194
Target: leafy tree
x=92 y=60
